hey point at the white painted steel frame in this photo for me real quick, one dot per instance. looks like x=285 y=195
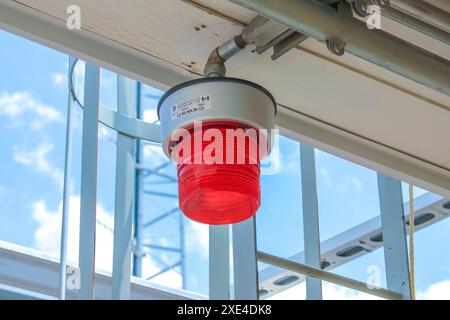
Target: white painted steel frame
x=66 y=196
x=124 y=193
x=44 y=29
x=37 y=272
x=88 y=193
x=245 y=260
x=311 y=232
x=394 y=235
x=219 y=262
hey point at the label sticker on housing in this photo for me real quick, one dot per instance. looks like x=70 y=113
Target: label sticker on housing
x=193 y=105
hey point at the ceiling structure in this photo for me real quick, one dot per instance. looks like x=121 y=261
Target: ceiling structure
x=345 y=93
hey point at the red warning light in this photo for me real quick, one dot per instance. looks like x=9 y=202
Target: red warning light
x=209 y=190
x=225 y=192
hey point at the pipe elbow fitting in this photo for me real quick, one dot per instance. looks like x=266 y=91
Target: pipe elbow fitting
x=215 y=66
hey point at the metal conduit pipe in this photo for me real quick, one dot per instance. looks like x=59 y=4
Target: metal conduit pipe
x=441 y=4
x=323 y=23
x=424 y=12
x=215 y=66
x=417 y=24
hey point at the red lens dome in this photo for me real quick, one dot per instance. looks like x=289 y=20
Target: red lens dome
x=220 y=193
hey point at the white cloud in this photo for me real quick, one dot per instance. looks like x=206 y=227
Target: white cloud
x=58 y=79
x=329 y=292
x=335 y=292
x=197 y=238
x=155 y=153
x=150 y=115
x=4 y=190
x=37 y=158
x=45 y=236
x=350 y=184
x=436 y=291
x=279 y=163
x=107 y=133
x=80 y=69
x=107 y=79
x=290 y=161
x=48 y=233
x=271 y=164
x=357 y=184
x=325 y=176
x=15 y=105
x=346 y=185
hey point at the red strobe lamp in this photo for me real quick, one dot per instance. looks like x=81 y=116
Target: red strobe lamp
x=217 y=130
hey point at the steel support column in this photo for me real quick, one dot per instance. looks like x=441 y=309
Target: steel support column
x=310 y=219
x=219 y=262
x=88 y=195
x=123 y=211
x=138 y=223
x=245 y=262
x=182 y=250
x=394 y=235
x=66 y=196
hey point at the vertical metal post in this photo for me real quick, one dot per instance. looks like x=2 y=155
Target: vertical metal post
x=219 y=262
x=66 y=194
x=182 y=252
x=310 y=219
x=123 y=211
x=88 y=195
x=394 y=235
x=137 y=256
x=245 y=263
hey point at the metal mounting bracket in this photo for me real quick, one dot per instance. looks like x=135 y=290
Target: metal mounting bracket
x=360 y=7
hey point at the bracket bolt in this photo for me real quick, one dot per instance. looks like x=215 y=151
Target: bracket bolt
x=336 y=46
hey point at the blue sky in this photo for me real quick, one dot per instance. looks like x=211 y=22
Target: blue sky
x=33 y=105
